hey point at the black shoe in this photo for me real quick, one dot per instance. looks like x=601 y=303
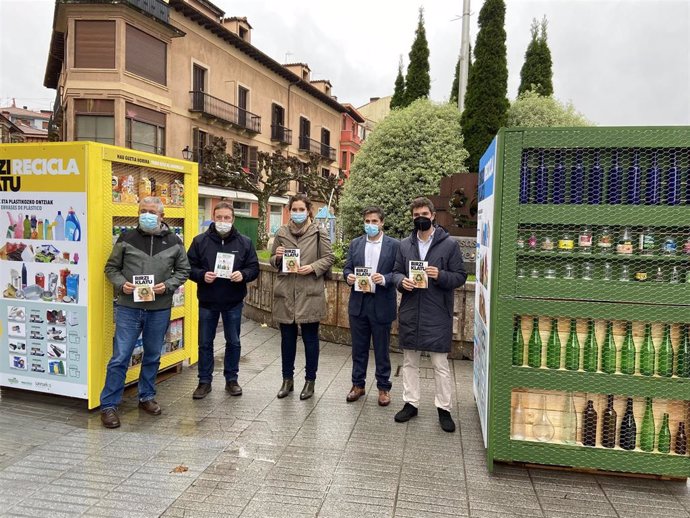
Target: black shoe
x=308 y=390
x=446 y=420
x=234 y=388
x=201 y=391
x=408 y=412
x=287 y=387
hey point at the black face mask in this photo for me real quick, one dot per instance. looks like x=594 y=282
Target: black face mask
x=422 y=223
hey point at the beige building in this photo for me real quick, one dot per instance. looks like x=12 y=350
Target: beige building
x=167 y=76
x=32 y=126
x=375 y=111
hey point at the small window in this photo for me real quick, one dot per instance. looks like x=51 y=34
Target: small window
x=325 y=172
x=242 y=207
x=243 y=33
x=96 y=128
x=343 y=162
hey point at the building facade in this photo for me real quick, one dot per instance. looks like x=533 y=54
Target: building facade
x=352 y=135
x=31 y=125
x=166 y=77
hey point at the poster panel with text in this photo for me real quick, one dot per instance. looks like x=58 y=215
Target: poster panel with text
x=43 y=269
x=485 y=224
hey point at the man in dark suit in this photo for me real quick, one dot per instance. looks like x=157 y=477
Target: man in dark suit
x=372 y=312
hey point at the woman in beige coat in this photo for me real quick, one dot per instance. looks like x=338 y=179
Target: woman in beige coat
x=299 y=297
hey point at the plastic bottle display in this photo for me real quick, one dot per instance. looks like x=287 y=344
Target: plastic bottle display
x=59 y=233
x=72 y=227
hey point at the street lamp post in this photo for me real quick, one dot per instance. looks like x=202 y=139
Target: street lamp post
x=464 y=54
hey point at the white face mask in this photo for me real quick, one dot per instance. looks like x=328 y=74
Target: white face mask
x=223 y=227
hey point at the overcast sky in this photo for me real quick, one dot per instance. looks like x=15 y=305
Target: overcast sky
x=620 y=62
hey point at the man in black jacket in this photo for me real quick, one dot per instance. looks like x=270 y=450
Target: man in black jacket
x=223 y=261
x=425 y=319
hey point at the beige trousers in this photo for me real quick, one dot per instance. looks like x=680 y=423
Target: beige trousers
x=411 y=392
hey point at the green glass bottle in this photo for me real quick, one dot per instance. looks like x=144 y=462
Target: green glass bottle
x=572 y=348
x=553 y=347
x=534 y=345
x=518 y=343
x=683 y=364
x=664 y=365
x=608 y=351
x=647 y=352
x=648 y=428
x=628 y=352
x=664 y=444
x=591 y=348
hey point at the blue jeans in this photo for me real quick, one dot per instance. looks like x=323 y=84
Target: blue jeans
x=129 y=323
x=363 y=328
x=288 y=349
x=208 y=324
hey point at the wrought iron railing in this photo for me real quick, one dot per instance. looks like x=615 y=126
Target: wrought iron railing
x=215 y=108
x=281 y=134
x=314 y=146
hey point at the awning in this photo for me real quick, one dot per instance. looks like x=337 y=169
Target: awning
x=219 y=192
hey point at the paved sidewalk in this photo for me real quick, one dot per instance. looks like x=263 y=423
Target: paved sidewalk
x=258 y=456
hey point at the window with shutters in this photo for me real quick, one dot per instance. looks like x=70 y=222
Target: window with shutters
x=144 y=129
x=242 y=207
x=343 y=160
x=199 y=138
x=94 y=44
x=249 y=156
x=94 y=120
x=146 y=56
x=325 y=172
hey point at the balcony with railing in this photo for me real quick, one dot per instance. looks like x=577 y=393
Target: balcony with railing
x=217 y=109
x=314 y=146
x=280 y=133
x=156 y=8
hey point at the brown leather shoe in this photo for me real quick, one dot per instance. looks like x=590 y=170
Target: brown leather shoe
x=150 y=407
x=384 y=398
x=109 y=418
x=354 y=394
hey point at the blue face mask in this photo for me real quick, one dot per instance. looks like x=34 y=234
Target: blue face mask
x=298 y=217
x=148 y=222
x=371 y=230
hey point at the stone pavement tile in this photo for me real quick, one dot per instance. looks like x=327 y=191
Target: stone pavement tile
x=636 y=511
x=504 y=513
x=527 y=499
x=412 y=506
x=41 y=512
x=417 y=513
x=595 y=507
x=257 y=509
x=506 y=509
x=334 y=507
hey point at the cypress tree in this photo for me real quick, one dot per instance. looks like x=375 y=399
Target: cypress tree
x=417 y=80
x=485 y=101
x=453 y=99
x=536 y=71
x=398 y=99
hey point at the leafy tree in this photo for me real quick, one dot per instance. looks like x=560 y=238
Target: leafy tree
x=407 y=155
x=536 y=72
x=417 y=80
x=485 y=101
x=325 y=188
x=271 y=176
x=398 y=99
x=533 y=110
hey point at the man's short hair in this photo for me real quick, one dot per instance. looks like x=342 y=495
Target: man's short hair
x=373 y=209
x=153 y=200
x=224 y=205
x=422 y=201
